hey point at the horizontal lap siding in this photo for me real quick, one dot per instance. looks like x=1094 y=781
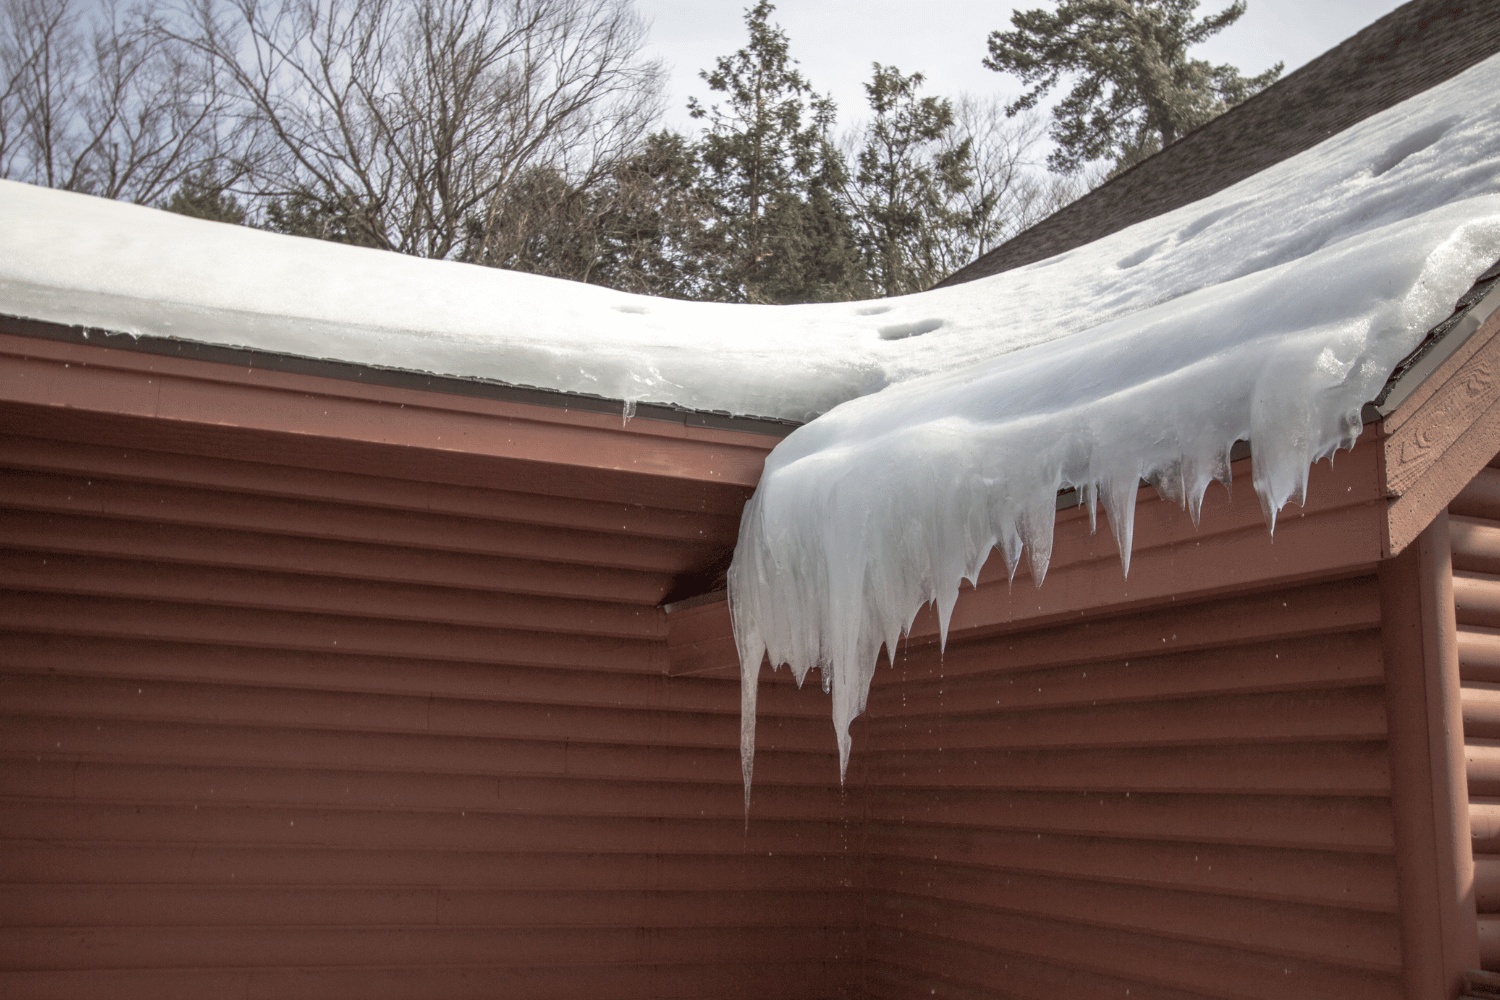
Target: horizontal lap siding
x=1474 y=530
x=281 y=731
x=1138 y=803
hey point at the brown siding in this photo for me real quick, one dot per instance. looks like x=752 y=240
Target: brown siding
x=279 y=722
x=1424 y=721
x=1474 y=526
x=1192 y=799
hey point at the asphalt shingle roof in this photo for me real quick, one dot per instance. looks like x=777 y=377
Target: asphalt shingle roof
x=1409 y=50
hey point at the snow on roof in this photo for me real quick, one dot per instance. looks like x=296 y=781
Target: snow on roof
x=1269 y=312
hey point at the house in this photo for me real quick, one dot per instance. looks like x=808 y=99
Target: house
x=329 y=676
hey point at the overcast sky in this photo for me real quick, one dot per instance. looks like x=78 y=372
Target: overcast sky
x=836 y=40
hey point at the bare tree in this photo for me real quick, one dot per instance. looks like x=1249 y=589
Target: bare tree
x=408 y=119
x=94 y=100
x=1008 y=190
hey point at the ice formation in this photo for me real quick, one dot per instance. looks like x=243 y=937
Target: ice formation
x=1269 y=312
x=949 y=419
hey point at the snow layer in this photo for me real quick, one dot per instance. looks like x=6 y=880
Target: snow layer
x=74 y=259
x=1269 y=312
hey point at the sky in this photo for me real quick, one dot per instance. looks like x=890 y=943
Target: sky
x=836 y=41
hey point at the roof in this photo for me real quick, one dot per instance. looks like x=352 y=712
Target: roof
x=1473 y=308
x=1269 y=311
x=1414 y=47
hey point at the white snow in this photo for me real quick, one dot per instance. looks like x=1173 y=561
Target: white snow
x=1269 y=312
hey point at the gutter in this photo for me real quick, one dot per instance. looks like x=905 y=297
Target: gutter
x=399 y=378
x=1476 y=306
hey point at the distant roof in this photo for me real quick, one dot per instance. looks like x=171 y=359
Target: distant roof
x=1409 y=50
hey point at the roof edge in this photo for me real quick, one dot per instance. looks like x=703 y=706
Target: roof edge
x=1446 y=425
x=1469 y=314
x=398 y=378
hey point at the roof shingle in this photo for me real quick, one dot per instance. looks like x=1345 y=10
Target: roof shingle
x=1414 y=47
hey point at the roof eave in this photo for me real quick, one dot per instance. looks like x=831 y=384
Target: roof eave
x=398 y=378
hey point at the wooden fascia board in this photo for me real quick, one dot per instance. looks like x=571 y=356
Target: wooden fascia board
x=1441 y=436
x=110 y=382
x=700 y=640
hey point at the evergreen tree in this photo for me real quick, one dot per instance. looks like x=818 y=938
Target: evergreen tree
x=652 y=226
x=771 y=170
x=203 y=195
x=302 y=213
x=540 y=224
x=640 y=228
x=1137 y=90
x=907 y=179
x=826 y=264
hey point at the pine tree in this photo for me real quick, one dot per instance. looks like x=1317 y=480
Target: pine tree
x=782 y=237
x=203 y=195
x=1137 y=90
x=652 y=235
x=827 y=266
x=302 y=213
x=639 y=228
x=907 y=178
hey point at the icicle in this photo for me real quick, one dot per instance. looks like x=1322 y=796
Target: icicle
x=845 y=746
x=978 y=556
x=749 y=683
x=889 y=645
x=945 y=603
x=1216 y=469
x=1036 y=527
x=1268 y=508
x=1299 y=489
x=1009 y=544
x=1168 y=482
x=878 y=507
x=1119 y=504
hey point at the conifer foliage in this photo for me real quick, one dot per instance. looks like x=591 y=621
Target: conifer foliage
x=906 y=184
x=771 y=173
x=203 y=195
x=1137 y=91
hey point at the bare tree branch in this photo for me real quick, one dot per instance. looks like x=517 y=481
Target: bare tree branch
x=97 y=101
x=1009 y=191
x=409 y=120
